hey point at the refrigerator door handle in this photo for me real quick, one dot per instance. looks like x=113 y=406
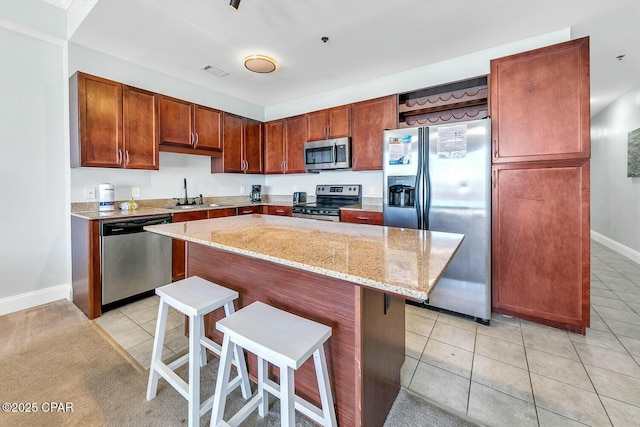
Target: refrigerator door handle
x=427 y=179
x=419 y=182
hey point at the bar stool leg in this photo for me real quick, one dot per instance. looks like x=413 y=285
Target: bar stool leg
x=203 y=349
x=241 y=364
x=263 y=366
x=287 y=399
x=222 y=382
x=195 y=332
x=324 y=386
x=156 y=355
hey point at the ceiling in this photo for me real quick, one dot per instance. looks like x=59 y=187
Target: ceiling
x=367 y=39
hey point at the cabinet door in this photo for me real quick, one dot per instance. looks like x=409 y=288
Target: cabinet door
x=540 y=104
x=361 y=217
x=339 y=121
x=99 y=121
x=220 y=213
x=274 y=147
x=176 y=121
x=253 y=146
x=208 y=128
x=178 y=270
x=370 y=118
x=540 y=240
x=317 y=123
x=295 y=135
x=140 y=132
x=233 y=135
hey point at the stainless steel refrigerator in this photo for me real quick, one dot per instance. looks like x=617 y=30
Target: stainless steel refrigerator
x=439 y=178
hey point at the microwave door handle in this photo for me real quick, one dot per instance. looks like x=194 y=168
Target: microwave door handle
x=334 y=153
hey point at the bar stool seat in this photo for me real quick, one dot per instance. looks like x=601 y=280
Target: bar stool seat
x=194 y=297
x=286 y=341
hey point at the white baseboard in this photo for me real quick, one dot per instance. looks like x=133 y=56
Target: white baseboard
x=618 y=247
x=35 y=298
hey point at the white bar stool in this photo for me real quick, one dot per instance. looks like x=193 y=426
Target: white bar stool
x=286 y=341
x=194 y=297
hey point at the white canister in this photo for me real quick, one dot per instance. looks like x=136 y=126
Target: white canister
x=105 y=197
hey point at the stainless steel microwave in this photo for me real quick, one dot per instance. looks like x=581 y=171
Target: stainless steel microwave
x=327 y=154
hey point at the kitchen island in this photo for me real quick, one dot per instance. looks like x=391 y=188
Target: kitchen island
x=353 y=278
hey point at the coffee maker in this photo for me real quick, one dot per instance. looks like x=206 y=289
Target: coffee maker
x=256 y=195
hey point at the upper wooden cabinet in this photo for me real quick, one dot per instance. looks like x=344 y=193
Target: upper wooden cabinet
x=539 y=104
x=274 y=151
x=370 y=118
x=284 y=145
x=242 y=146
x=331 y=123
x=184 y=125
x=112 y=125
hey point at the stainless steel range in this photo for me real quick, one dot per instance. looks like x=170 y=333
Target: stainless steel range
x=329 y=200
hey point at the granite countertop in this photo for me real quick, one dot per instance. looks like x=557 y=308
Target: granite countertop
x=93 y=213
x=401 y=261
x=363 y=207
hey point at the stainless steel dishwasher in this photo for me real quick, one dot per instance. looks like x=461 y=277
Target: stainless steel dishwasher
x=133 y=261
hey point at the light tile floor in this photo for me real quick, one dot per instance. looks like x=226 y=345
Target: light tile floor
x=133 y=327
x=511 y=373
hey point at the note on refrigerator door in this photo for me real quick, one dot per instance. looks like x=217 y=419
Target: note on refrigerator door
x=400 y=150
x=452 y=142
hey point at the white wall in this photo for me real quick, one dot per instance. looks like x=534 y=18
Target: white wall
x=34 y=219
x=615 y=198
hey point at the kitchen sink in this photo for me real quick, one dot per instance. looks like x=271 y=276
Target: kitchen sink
x=183 y=207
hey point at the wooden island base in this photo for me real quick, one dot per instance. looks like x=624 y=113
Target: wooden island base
x=366 y=350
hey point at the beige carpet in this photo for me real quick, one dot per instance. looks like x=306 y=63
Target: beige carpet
x=52 y=353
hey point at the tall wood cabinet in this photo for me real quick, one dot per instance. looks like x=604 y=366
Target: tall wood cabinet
x=112 y=125
x=369 y=119
x=540 y=115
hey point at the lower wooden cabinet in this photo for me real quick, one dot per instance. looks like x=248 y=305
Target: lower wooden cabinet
x=246 y=210
x=361 y=217
x=540 y=239
x=220 y=213
x=278 y=210
x=178 y=246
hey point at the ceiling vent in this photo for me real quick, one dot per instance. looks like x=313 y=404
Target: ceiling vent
x=214 y=70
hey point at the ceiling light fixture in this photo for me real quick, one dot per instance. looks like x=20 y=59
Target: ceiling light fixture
x=234 y=4
x=260 y=64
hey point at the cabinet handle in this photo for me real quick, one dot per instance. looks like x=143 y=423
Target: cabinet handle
x=363 y=218
x=192 y=139
x=119 y=157
x=495 y=148
x=326 y=131
x=195 y=144
x=127 y=157
x=247 y=211
x=279 y=210
x=493 y=178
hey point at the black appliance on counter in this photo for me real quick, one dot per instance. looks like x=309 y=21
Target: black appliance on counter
x=329 y=200
x=256 y=193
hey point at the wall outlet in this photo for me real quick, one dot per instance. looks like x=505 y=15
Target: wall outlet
x=90 y=192
x=135 y=192
x=242 y=189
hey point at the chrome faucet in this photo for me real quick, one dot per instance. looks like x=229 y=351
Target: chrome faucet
x=186 y=201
